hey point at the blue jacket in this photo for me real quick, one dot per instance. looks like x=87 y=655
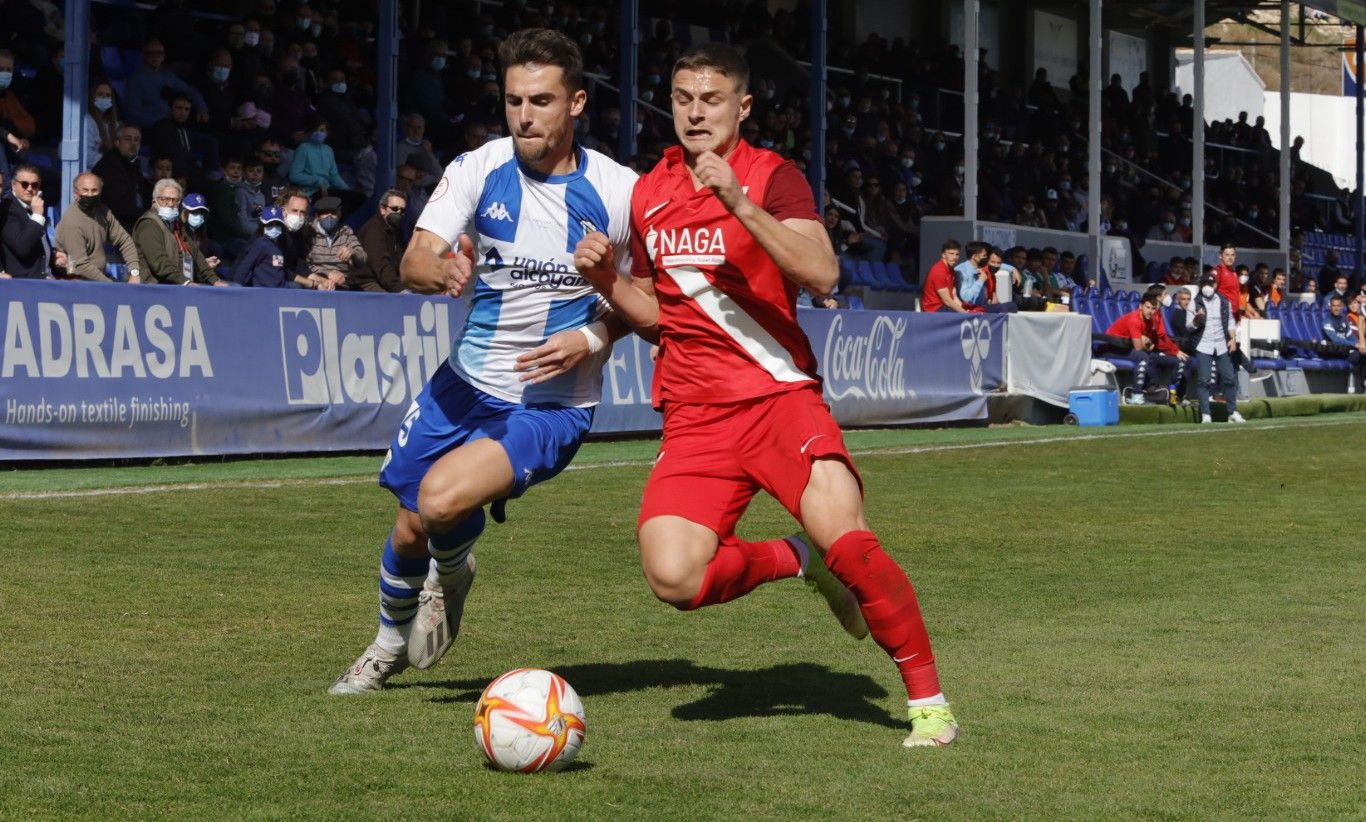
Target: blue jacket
x=1338 y=329
x=262 y=265
x=315 y=167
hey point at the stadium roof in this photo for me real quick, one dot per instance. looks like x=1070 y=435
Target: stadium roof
x=1178 y=15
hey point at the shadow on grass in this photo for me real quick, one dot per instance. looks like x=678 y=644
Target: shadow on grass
x=573 y=767
x=780 y=690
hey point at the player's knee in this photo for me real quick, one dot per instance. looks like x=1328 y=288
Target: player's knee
x=442 y=509
x=677 y=593
x=671 y=579
x=409 y=538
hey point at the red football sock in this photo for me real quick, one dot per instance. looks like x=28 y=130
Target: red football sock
x=739 y=567
x=889 y=607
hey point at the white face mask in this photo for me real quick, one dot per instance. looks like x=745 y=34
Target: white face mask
x=1166 y=300
x=195 y=220
x=1207 y=291
x=1242 y=280
x=168 y=213
x=273 y=231
x=251 y=38
x=294 y=222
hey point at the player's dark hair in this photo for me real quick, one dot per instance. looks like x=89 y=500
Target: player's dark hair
x=543 y=47
x=721 y=57
x=1152 y=299
x=25 y=168
x=1226 y=246
x=1154 y=293
x=951 y=245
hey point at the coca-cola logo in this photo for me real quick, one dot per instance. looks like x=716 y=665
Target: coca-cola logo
x=975 y=335
x=865 y=366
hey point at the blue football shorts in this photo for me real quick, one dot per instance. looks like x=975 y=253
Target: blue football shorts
x=540 y=440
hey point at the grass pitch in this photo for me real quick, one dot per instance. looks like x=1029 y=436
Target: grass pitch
x=1137 y=623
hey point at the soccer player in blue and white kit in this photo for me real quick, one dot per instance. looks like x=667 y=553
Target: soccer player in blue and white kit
x=516 y=398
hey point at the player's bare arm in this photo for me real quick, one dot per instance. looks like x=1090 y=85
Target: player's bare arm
x=801 y=248
x=426 y=269
x=564 y=350
x=634 y=302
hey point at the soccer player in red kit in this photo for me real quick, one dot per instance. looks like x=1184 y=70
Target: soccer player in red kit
x=723 y=236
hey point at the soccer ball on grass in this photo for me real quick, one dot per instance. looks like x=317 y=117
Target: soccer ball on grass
x=529 y=720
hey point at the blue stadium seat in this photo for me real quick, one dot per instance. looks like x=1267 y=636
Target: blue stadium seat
x=891 y=275
x=855 y=302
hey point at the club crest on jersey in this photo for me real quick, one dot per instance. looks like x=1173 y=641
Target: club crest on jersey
x=496 y=212
x=689 y=246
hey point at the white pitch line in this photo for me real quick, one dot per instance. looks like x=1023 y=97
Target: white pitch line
x=1169 y=431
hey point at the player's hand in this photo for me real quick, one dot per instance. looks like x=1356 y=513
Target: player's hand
x=558 y=354
x=717 y=175
x=457 y=269
x=596 y=260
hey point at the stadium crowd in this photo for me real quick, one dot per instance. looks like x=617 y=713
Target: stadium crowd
x=209 y=118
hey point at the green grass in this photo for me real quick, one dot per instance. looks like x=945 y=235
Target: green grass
x=1161 y=623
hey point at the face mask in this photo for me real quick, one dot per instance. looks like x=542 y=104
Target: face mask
x=329 y=224
x=586 y=39
x=1065 y=185
x=848 y=131
x=303 y=23
x=766 y=144
x=899 y=200
x=273 y=231
x=1168 y=227
x=844 y=101
x=338 y=88
x=1109 y=169
x=294 y=222
x=639 y=126
x=1207 y=291
x=393 y=219
x=168 y=213
x=5 y=78
x=1185 y=222
x=907 y=162
x=938 y=146
x=473 y=74
x=195 y=220
x=220 y=73
x=315 y=29
x=915 y=181
x=438 y=63
x=1242 y=280
x=104 y=103
x=87 y=202
x=252 y=38
x=1253 y=214
x=412 y=141
x=647 y=95
x=1028 y=208
x=958 y=171
x=318 y=136
x=1186 y=184
x=1166 y=300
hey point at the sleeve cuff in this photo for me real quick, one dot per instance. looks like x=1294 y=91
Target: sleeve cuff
x=38 y=218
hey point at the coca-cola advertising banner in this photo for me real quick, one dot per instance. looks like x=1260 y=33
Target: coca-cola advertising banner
x=101 y=371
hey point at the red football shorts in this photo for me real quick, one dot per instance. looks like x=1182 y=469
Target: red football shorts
x=714 y=458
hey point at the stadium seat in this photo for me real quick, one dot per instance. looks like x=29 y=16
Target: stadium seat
x=855 y=302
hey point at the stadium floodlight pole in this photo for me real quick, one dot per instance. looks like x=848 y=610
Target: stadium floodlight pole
x=972 y=10
x=75 y=89
x=1198 y=136
x=1093 y=149
x=1361 y=151
x=815 y=167
x=630 y=78
x=386 y=95
x=1283 y=235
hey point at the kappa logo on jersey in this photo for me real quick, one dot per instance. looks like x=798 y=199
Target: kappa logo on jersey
x=497 y=212
x=691 y=246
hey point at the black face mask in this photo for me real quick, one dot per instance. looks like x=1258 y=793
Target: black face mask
x=87 y=202
x=393 y=218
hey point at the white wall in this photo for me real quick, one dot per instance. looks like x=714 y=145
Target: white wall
x=1055 y=47
x=1231 y=85
x=1328 y=125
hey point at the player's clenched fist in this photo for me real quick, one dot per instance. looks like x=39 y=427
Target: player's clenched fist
x=457 y=269
x=717 y=175
x=595 y=259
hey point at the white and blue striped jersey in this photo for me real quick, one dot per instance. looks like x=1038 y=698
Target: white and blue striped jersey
x=524 y=226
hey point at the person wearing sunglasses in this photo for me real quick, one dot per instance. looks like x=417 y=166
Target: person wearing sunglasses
x=383 y=246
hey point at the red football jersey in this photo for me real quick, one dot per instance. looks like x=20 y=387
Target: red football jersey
x=1131 y=325
x=940 y=276
x=1226 y=283
x=727 y=315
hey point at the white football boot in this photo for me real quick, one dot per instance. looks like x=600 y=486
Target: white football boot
x=438 y=617
x=369 y=672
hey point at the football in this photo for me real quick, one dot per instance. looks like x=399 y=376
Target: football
x=529 y=720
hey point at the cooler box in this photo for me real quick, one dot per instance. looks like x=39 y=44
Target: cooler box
x=1094 y=405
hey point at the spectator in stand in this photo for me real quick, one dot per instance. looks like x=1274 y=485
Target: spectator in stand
x=1342 y=332
x=1141 y=336
x=262 y=264
x=147 y=89
x=297 y=241
x=101 y=123
x=1339 y=289
x=220 y=94
x=427 y=92
x=348 y=124
x=250 y=197
x=1166 y=231
x=1258 y=294
x=170 y=251
x=1176 y=272
x=14 y=118
x=968 y=277
x=1067 y=267
x=383 y=250
x=405 y=181
x=289 y=106
x=336 y=253
x=416 y=150
x=226 y=229
x=1030 y=216
x=86 y=229
x=1279 y=285
x=903 y=224
x=843 y=235
x=174 y=136
x=273 y=181
x=1329 y=273
x=24 y=250
x=194 y=216
x=941 y=292
x=315 y=166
